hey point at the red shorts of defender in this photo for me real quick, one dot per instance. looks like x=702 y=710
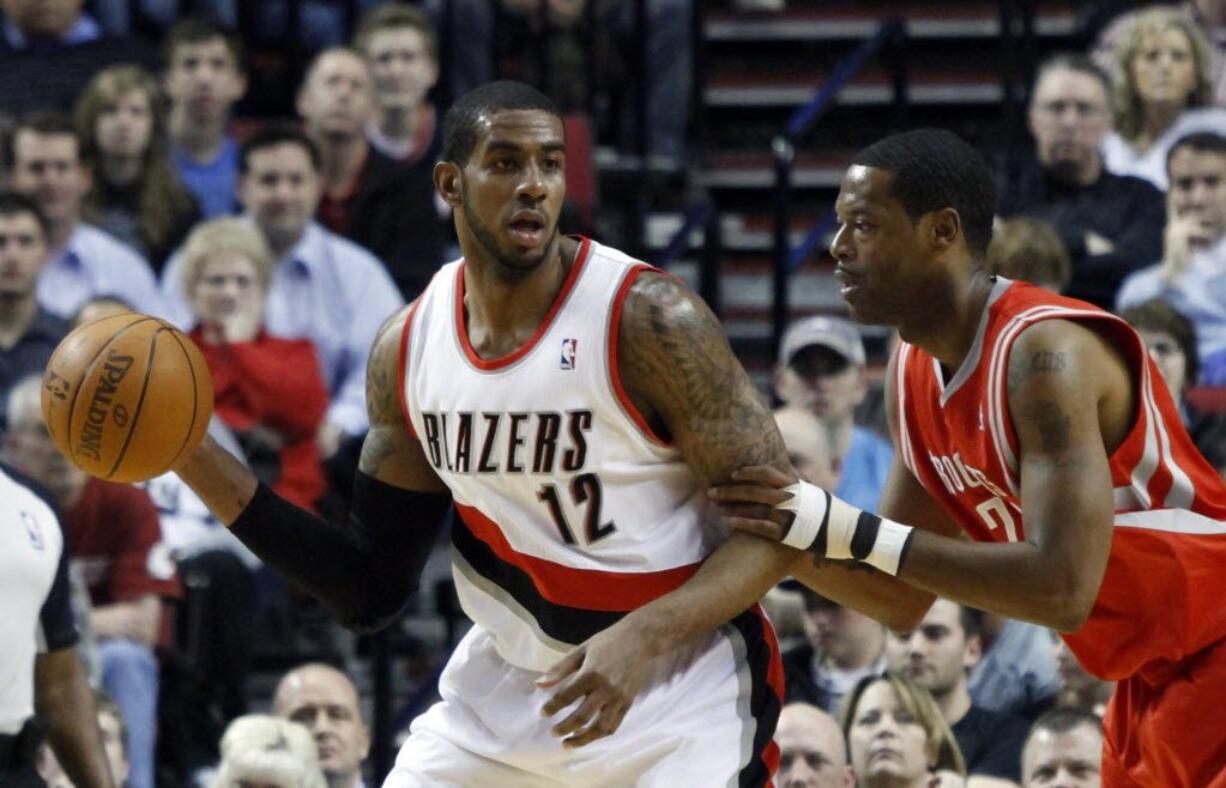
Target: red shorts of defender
x=1165 y=727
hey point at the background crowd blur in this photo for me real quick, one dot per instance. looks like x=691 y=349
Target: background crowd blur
x=261 y=175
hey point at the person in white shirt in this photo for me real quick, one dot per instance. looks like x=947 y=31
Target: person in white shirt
x=85 y=262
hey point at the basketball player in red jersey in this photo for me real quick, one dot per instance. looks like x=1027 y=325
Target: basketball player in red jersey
x=575 y=405
x=1037 y=426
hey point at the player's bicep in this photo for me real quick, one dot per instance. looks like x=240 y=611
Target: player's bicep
x=1056 y=378
x=390 y=453
x=679 y=369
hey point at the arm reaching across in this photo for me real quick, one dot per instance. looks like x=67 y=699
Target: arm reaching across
x=1069 y=398
x=365 y=570
x=681 y=375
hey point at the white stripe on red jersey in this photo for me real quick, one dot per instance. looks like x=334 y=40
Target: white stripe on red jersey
x=1161 y=597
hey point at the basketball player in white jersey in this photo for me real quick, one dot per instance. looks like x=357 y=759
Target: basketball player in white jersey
x=575 y=405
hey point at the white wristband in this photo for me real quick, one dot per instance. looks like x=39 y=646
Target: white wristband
x=891 y=543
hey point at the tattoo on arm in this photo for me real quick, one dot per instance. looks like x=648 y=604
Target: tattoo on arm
x=1047 y=361
x=681 y=373
x=387 y=425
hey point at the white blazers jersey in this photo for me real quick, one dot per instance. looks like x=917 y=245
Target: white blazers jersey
x=571 y=511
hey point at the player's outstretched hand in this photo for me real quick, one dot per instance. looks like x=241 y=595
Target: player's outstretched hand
x=607 y=673
x=748 y=501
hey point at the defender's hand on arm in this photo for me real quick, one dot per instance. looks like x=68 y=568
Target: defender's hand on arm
x=682 y=376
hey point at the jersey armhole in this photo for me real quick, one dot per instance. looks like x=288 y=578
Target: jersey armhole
x=402 y=368
x=619 y=391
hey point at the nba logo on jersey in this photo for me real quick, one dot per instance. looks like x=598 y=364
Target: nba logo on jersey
x=32 y=530
x=568 y=353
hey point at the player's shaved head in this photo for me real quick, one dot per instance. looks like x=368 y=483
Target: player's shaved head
x=468 y=117
x=813 y=753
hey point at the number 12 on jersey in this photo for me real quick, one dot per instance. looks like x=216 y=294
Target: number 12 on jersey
x=584 y=489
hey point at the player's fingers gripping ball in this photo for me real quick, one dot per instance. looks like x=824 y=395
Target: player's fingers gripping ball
x=126 y=397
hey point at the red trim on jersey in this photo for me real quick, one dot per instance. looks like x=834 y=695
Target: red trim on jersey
x=461 y=320
x=591 y=589
x=402 y=384
x=774 y=679
x=615 y=317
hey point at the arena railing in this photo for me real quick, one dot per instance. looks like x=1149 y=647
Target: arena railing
x=891 y=37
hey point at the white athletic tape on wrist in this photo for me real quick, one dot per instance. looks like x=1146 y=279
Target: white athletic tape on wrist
x=890 y=546
x=878 y=542
x=815 y=508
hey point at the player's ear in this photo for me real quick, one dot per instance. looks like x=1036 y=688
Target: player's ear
x=449 y=183
x=945 y=227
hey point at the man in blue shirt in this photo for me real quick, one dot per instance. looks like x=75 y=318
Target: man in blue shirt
x=822 y=369
x=1191 y=275
x=203 y=79
x=85 y=262
x=323 y=288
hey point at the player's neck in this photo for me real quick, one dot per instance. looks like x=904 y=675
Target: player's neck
x=950 y=339
x=504 y=312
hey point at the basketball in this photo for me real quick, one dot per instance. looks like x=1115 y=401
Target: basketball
x=125 y=397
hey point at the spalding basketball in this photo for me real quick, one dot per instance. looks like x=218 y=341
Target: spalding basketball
x=125 y=397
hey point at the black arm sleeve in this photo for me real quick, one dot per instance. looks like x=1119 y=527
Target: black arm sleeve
x=364 y=571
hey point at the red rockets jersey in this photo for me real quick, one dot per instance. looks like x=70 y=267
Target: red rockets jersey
x=1162 y=597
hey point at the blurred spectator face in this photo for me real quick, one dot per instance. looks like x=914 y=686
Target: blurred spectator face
x=839 y=633
x=1068 y=759
x=1165 y=351
x=29 y=448
x=1069 y=119
x=812 y=753
x=326 y=702
x=402 y=67
x=98 y=308
x=1164 y=69
x=820 y=380
x=337 y=99
x=807 y=445
x=23 y=251
x=938 y=652
x=896 y=651
x=228 y=284
x=887 y=742
x=1076 y=681
x=204 y=80
x=1198 y=189
x=42 y=17
x=280 y=190
x=48 y=169
x=126 y=129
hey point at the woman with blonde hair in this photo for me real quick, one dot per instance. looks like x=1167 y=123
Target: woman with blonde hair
x=268 y=390
x=136 y=193
x=1163 y=90
x=896 y=736
x=269 y=752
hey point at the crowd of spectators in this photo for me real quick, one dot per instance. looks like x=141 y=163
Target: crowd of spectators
x=131 y=183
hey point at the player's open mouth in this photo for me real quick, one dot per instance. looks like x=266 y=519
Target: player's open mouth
x=527 y=228
x=849 y=280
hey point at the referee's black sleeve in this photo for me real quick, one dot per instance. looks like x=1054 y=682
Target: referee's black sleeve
x=57 y=628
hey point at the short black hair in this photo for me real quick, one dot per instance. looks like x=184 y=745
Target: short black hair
x=1065 y=719
x=460 y=125
x=1159 y=315
x=971 y=620
x=1203 y=141
x=12 y=204
x=200 y=29
x=43 y=122
x=273 y=135
x=935 y=169
x=1076 y=62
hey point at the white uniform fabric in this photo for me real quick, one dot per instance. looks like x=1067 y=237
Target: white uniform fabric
x=571 y=514
x=30 y=546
